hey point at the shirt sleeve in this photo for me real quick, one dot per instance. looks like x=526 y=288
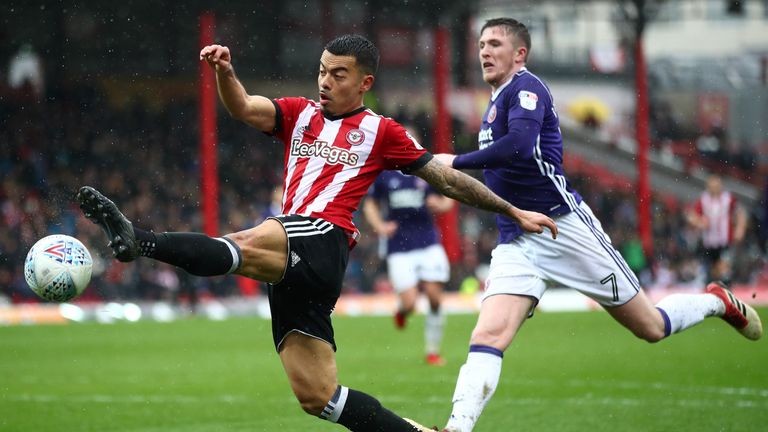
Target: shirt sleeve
x=517 y=144
x=525 y=115
x=287 y=110
x=529 y=102
x=401 y=151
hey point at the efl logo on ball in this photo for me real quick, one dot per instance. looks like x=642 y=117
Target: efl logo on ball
x=58 y=268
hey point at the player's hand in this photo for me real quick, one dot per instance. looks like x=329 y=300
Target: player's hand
x=217 y=57
x=534 y=222
x=445 y=158
x=387 y=229
x=438 y=204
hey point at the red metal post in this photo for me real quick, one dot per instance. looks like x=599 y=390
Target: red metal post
x=448 y=223
x=209 y=177
x=209 y=166
x=643 y=146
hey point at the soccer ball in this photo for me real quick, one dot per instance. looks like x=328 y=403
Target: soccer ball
x=58 y=268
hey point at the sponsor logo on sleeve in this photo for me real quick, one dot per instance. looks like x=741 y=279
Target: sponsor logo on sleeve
x=528 y=100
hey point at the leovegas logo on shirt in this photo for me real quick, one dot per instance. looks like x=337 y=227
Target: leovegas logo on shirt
x=333 y=155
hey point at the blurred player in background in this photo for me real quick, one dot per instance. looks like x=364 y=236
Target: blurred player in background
x=722 y=223
x=521 y=152
x=415 y=256
x=334 y=149
x=275 y=206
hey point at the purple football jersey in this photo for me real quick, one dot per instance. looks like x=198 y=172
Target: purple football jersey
x=532 y=178
x=404 y=197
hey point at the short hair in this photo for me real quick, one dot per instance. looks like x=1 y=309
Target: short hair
x=512 y=26
x=364 y=51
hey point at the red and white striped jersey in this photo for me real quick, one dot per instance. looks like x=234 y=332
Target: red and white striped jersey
x=719 y=212
x=330 y=162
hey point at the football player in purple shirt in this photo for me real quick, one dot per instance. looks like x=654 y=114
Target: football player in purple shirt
x=521 y=153
x=415 y=257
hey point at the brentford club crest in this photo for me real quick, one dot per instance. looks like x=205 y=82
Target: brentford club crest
x=355 y=136
x=492 y=114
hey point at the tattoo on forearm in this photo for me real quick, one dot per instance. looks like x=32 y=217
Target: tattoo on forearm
x=461 y=187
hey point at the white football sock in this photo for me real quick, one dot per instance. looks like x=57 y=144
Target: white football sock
x=687 y=310
x=433 y=331
x=477 y=381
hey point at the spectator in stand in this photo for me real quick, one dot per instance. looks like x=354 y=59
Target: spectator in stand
x=26 y=69
x=722 y=223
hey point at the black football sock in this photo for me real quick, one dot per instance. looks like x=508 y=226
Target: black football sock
x=360 y=412
x=196 y=253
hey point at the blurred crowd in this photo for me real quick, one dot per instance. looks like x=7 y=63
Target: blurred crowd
x=147 y=162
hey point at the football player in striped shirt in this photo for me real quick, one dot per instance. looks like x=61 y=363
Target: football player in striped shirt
x=521 y=153
x=335 y=148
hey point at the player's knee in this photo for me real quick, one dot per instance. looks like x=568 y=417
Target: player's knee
x=245 y=241
x=259 y=240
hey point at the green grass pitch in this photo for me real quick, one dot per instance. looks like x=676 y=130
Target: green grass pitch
x=564 y=372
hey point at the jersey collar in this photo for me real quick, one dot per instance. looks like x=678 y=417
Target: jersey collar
x=345 y=115
x=496 y=93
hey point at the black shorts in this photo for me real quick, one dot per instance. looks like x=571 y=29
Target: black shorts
x=303 y=300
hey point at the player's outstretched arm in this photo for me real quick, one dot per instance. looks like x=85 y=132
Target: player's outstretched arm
x=256 y=111
x=461 y=187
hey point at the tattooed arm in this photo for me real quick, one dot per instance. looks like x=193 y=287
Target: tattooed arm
x=461 y=187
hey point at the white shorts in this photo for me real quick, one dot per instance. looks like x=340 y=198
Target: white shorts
x=582 y=257
x=406 y=269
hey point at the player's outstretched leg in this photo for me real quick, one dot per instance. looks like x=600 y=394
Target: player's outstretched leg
x=678 y=312
x=103 y=212
x=196 y=253
x=737 y=313
x=360 y=412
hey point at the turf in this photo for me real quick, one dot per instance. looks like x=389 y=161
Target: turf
x=565 y=372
